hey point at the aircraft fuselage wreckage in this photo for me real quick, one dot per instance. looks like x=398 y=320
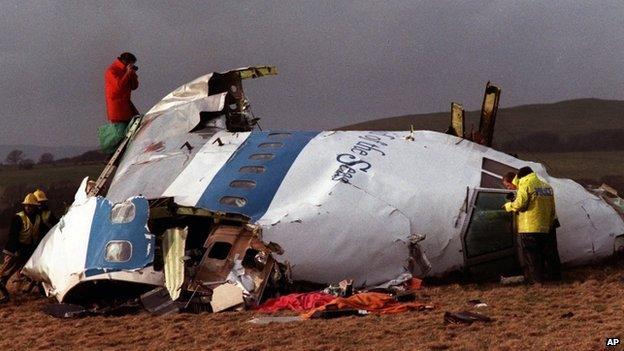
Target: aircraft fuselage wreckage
x=199 y=201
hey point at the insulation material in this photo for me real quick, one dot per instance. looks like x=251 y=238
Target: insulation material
x=173 y=244
x=226 y=296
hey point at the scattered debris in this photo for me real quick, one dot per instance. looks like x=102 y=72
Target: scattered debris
x=226 y=296
x=476 y=303
x=343 y=289
x=65 y=310
x=517 y=279
x=337 y=313
x=465 y=317
x=159 y=302
x=267 y=320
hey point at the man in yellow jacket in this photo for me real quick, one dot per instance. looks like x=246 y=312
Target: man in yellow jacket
x=535 y=205
x=24 y=235
x=48 y=219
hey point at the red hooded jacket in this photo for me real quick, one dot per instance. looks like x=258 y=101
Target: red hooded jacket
x=119 y=82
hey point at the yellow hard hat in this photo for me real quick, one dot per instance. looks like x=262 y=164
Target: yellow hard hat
x=30 y=199
x=40 y=195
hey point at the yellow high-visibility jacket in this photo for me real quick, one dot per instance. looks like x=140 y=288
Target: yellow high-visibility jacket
x=535 y=205
x=30 y=231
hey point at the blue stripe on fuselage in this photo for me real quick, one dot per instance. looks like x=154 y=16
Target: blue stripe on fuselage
x=103 y=231
x=259 y=198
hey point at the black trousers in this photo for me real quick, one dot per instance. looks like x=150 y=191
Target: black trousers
x=540 y=257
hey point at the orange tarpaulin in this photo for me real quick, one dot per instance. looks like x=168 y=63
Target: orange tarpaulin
x=370 y=301
x=296 y=302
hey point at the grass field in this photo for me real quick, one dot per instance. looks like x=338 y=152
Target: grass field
x=578 y=313
x=45 y=175
x=577 y=165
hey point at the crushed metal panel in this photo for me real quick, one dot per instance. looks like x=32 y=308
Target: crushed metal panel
x=488 y=113
x=458 y=123
x=234 y=254
x=237 y=112
x=173 y=246
x=159 y=302
x=222 y=245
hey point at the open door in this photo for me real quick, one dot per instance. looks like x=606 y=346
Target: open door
x=488 y=236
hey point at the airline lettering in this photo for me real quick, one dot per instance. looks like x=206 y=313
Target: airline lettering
x=350 y=163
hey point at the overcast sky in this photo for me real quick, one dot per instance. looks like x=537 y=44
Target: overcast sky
x=339 y=62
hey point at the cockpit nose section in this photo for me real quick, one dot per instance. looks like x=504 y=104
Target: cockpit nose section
x=119 y=238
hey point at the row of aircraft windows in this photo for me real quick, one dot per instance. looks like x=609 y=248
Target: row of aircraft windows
x=237 y=201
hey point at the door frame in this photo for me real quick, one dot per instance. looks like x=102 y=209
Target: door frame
x=472 y=261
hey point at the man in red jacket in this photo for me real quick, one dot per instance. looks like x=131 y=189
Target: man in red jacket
x=120 y=80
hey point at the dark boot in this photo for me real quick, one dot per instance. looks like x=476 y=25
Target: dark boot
x=4 y=292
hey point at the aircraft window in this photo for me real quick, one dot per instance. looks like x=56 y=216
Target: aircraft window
x=279 y=136
x=496 y=167
x=261 y=157
x=271 y=145
x=233 y=201
x=252 y=169
x=220 y=250
x=123 y=213
x=491 y=227
x=243 y=184
x=490 y=181
x=118 y=251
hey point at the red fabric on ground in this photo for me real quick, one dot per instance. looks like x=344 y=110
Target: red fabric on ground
x=414 y=284
x=370 y=301
x=296 y=302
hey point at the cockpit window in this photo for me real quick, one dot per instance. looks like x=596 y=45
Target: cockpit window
x=493 y=172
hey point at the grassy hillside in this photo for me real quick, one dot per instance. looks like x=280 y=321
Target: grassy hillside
x=34 y=151
x=46 y=175
x=59 y=182
x=574 y=125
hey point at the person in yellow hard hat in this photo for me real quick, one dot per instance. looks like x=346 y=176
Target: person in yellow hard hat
x=24 y=235
x=535 y=205
x=47 y=217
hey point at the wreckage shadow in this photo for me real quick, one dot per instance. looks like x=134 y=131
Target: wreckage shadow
x=597 y=270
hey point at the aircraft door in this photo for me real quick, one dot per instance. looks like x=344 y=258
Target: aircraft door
x=488 y=236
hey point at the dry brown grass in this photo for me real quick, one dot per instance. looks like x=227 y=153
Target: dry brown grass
x=526 y=317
